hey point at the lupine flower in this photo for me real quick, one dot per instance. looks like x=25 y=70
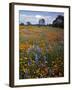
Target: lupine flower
x=36 y=58
x=45 y=59
x=39 y=49
x=26 y=74
x=29 y=62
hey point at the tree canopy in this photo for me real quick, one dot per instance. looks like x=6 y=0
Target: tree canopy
x=42 y=21
x=59 y=21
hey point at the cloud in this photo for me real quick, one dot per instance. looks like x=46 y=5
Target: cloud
x=35 y=18
x=26 y=16
x=23 y=15
x=39 y=16
x=44 y=17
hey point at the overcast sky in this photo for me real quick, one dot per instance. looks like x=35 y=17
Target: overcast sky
x=34 y=16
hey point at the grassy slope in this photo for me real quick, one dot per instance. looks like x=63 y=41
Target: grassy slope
x=46 y=37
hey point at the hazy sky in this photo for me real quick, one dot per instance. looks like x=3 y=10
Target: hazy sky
x=34 y=16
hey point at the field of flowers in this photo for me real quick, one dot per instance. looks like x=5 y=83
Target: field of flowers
x=41 y=52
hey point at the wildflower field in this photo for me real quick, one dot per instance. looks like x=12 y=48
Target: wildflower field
x=41 y=52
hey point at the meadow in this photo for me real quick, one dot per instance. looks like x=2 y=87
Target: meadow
x=41 y=52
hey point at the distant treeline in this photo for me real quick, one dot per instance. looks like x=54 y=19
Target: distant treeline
x=58 y=22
